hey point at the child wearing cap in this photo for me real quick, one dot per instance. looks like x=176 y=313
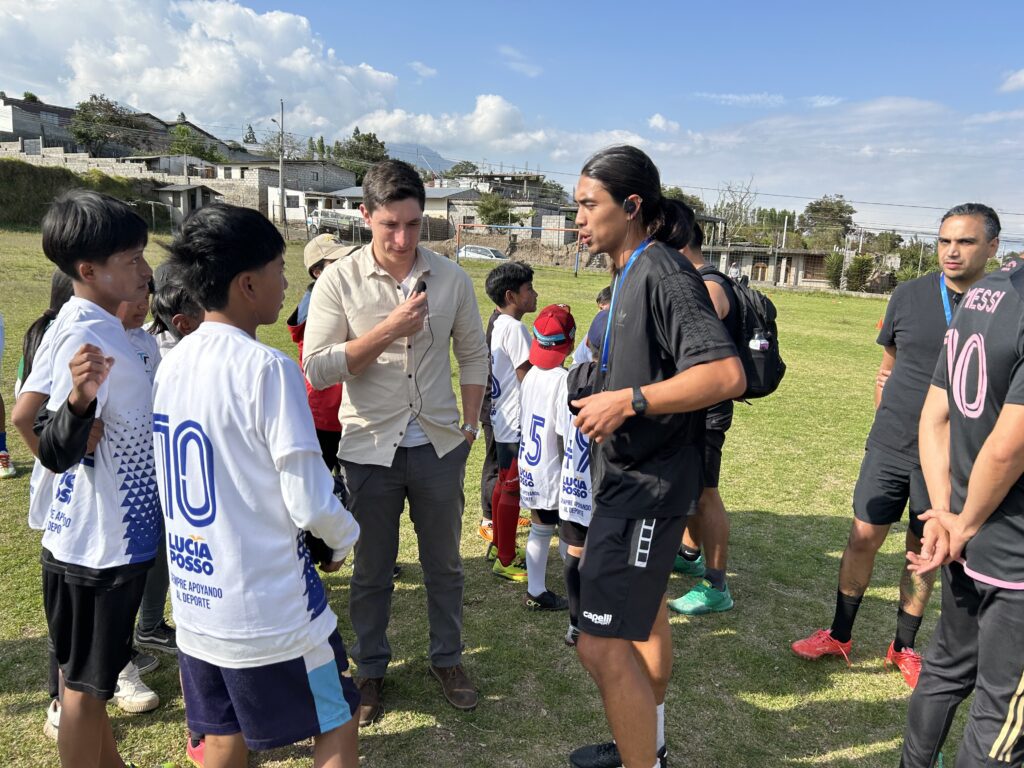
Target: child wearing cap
x=543 y=397
x=319 y=253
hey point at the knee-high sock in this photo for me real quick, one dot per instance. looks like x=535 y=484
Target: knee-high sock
x=563 y=548
x=505 y=512
x=572 y=587
x=537 y=546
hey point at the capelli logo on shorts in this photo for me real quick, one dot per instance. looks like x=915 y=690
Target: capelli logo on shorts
x=602 y=620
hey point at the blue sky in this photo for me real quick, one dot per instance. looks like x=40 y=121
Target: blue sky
x=920 y=105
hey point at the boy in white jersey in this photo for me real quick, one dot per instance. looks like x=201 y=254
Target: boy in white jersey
x=576 y=494
x=102 y=527
x=510 y=287
x=242 y=480
x=544 y=397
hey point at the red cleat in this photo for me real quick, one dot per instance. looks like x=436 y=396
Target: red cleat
x=821 y=643
x=195 y=753
x=908 y=661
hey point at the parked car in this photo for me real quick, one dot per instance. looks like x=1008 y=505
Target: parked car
x=333 y=220
x=480 y=252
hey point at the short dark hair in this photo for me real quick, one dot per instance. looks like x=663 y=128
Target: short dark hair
x=605 y=296
x=171 y=297
x=217 y=243
x=390 y=181
x=990 y=217
x=510 y=276
x=697 y=241
x=81 y=225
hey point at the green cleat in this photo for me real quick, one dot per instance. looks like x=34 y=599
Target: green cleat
x=690 y=567
x=703 y=598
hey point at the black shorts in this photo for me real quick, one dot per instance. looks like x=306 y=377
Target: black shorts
x=506 y=453
x=91 y=630
x=624 y=572
x=885 y=485
x=573 y=534
x=546 y=516
x=714 y=439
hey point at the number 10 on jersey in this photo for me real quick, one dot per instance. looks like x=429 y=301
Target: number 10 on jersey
x=187 y=455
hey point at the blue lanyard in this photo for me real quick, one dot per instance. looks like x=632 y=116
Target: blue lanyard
x=945 y=300
x=615 y=294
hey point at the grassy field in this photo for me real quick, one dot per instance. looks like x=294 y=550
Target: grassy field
x=738 y=696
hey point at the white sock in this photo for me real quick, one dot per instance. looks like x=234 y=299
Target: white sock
x=563 y=549
x=661 y=725
x=537 y=545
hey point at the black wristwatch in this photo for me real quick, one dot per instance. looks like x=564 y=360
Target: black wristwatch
x=639 y=402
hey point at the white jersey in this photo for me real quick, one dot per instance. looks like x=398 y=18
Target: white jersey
x=148 y=350
x=165 y=340
x=104 y=512
x=510 y=348
x=543 y=394
x=241 y=477
x=40 y=484
x=576 y=498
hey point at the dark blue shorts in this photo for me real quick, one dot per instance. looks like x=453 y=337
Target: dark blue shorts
x=273 y=705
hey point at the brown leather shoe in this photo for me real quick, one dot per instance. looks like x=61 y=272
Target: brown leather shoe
x=457 y=687
x=371 y=707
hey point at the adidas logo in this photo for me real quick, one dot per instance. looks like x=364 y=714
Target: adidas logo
x=602 y=620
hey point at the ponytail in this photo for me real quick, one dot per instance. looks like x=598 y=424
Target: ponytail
x=677 y=223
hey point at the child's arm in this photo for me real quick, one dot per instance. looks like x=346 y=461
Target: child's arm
x=64 y=437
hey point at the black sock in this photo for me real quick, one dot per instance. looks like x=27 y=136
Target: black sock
x=906 y=630
x=846 y=613
x=572 y=586
x=689 y=554
x=195 y=738
x=716 y=577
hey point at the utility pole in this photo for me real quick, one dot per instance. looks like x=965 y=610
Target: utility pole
x=785 y=226
x=280 y=177
x=920 y=257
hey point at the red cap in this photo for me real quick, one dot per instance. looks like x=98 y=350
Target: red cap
x=554 y=333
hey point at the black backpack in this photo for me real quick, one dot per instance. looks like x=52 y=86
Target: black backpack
x=758 y=342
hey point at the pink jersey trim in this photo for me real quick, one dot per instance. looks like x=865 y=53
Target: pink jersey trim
x=1016 y=585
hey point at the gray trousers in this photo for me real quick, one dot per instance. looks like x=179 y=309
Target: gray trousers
x=434 y=488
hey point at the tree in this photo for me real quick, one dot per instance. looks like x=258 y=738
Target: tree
x=887 y=242
x=858 y=272
x=827 y=220
x=185 y=141
x=735 y=204
x=29 y=96
x=495 y=209
x=675 y=193
x=182 y=118
x=553 y=191
x=100 y=121
x=321 y=148
x=310 y=148
x=250 y=135
x=359 y=152
x=834 y=269
x=461 y=168
x=271 y=146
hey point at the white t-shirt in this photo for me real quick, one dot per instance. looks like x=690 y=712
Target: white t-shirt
x=543 y=393
x=575 y=499
x=104 y=512
x=510 y=348
x=148 y=349
x=582 y=354
x=241 y=477
x=165 y=340
x=40 y=484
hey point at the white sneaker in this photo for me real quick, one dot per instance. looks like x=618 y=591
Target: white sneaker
x=133 y=695
x=52 y=720
x=6 y=468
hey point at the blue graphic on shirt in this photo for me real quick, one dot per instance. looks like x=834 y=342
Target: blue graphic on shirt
x=316 y=598
x=132 y=456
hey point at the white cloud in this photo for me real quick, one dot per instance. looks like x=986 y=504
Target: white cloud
x=519 y=62
x=1013 y=82
x=221 y=63
x=821 y=102
x=743 y=99
x=659 y=122
x=987 y=118
x=422 y=69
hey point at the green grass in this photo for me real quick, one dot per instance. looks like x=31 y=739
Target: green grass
x=738 y=697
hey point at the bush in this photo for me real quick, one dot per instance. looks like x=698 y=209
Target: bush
x=26 y=190
x=858 y=272
x=834 y=269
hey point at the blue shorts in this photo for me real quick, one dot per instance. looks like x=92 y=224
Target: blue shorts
x=273 y=705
